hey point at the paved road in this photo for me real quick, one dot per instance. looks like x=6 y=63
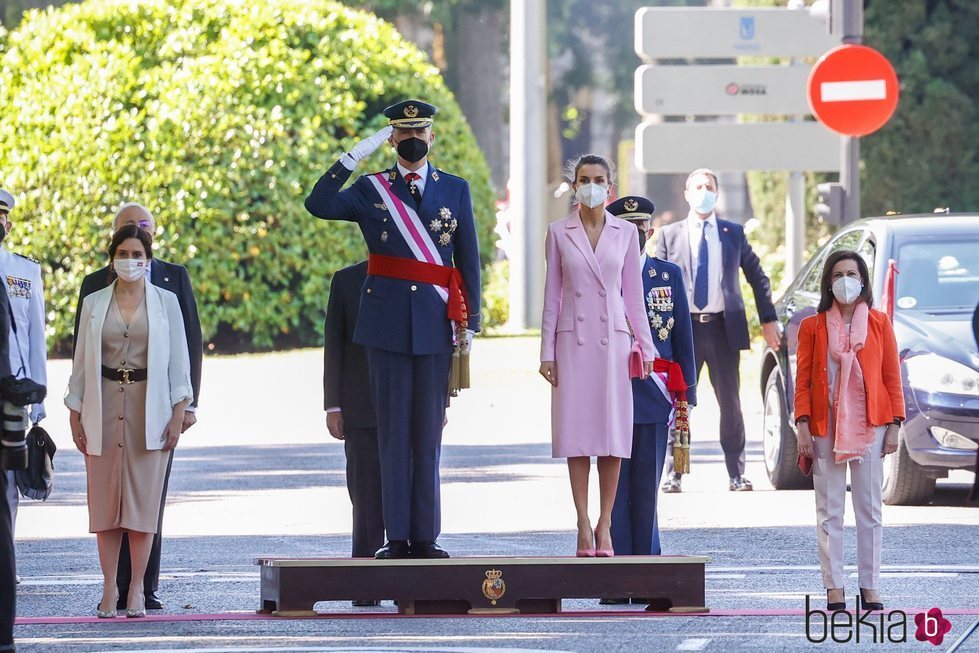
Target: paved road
x=260 y=476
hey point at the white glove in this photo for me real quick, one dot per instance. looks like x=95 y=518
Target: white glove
x=467 y=343
x=366 y=147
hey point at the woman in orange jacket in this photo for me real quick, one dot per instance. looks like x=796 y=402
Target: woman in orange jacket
x=848 y=409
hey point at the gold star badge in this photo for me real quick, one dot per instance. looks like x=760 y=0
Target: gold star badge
x=664 y=333
x=445 y=239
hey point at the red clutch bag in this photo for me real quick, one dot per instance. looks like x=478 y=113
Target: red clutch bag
x=635 y=361
x=805 y=464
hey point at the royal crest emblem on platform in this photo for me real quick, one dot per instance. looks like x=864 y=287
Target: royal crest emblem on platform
x=494 y=587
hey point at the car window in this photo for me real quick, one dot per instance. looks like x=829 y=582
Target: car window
x=868 y=252
x=938 y=274
x=846 y=240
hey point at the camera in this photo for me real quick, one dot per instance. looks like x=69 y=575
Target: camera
x=17 y=395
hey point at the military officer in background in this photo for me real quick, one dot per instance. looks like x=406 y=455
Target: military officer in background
x=421 y=297
x=635 y=525
x=27 y=344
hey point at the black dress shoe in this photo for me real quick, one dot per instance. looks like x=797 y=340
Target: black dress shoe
x=153 y=601
x=365 y=604
x=672 y=483
x=869 y=605
x=834 y=606
x=613 y=601
x=392 y=550
x=740 y=484
x=427 y=550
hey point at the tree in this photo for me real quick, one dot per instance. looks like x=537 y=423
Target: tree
x=927 y=156
x=219 y=115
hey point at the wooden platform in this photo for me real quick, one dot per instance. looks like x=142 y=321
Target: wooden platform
x=290 y=586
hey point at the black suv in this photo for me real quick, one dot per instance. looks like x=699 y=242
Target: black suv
x=937 y=289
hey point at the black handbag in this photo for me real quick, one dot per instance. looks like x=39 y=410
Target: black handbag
x=37 y=481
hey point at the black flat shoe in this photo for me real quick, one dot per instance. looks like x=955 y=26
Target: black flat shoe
x=672 y=484
x=835 y=606
x=613 y=601
x=740 y=484
x=870 y=605
x=428 y=550
x=393 y=550
x=153 y=602
x=365 y=604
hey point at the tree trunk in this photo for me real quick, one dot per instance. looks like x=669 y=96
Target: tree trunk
x=477 y=64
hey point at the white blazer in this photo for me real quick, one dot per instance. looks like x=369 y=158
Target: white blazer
x=168 y=380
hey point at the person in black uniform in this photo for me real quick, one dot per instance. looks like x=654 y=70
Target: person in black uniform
x=176 y=279
x=8 y=566
x=350 y=412
x=420 y=299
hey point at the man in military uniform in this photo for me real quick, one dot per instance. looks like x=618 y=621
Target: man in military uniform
x=635 y=526
x=28 y=348
x=421 y=296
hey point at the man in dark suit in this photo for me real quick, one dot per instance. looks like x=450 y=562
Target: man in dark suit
x=635 y=522
x=709 y=252
x=176 y=279
x=421 y=296
x=350 y=412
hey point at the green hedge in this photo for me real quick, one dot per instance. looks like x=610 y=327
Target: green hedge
x=219 y=115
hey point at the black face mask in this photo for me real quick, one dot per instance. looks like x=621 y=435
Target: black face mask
x=412 y=149
x=642 y=239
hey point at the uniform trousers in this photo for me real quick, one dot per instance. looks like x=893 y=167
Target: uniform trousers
x=8 y=585
x=711 y=347
x=409 y=394
x=866 y=482
x=364 y=488
x=124 y=571
x=635 y=524
x=13 y=497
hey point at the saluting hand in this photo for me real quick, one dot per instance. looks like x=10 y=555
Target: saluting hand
x=548 y=369
x=366 y=147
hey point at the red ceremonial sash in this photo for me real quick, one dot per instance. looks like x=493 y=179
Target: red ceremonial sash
x=408 y=269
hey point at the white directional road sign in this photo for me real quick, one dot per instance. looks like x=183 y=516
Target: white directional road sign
x=677 y=147
x=684 y=32
x=721 y=90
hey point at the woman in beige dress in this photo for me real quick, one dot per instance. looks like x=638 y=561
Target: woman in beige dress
x=129 y=385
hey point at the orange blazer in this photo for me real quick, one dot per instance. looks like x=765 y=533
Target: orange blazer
x=878 y=362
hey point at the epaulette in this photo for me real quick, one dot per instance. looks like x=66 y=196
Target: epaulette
x=32 y=260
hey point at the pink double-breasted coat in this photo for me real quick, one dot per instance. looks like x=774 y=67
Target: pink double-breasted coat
x=587 y=297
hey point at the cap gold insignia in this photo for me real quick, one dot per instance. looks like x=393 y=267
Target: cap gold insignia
x=630 y=205
x=411 y=111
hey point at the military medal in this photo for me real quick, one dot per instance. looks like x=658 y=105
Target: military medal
x=384 y=236
x=660 y=299
x=657 y=321
x=669 y=323
x=445 y=238
x=435 y=225
x=652 y=273
x=664 y=333
x=445 y=213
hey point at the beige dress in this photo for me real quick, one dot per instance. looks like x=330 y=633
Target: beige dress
x=125 y=483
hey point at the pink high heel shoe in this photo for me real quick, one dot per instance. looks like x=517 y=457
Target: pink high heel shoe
x=603 y=553
x=586 y=553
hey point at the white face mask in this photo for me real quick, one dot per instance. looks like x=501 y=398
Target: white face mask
x=591 y=195
x=131 y=269
x=702 y=201
x=847 y=289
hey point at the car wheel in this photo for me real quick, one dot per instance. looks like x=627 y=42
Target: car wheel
x=905 y=483
x=778 y=440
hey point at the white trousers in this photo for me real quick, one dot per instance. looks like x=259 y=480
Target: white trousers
x=866 y=482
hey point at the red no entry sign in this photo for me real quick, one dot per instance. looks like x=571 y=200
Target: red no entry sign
x=853 y=90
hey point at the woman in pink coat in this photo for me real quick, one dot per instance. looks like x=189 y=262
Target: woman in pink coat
x=593 y=284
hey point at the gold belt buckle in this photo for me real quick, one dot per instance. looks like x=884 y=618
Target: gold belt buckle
x=125 y=375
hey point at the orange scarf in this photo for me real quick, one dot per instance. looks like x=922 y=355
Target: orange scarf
x=854 y=432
